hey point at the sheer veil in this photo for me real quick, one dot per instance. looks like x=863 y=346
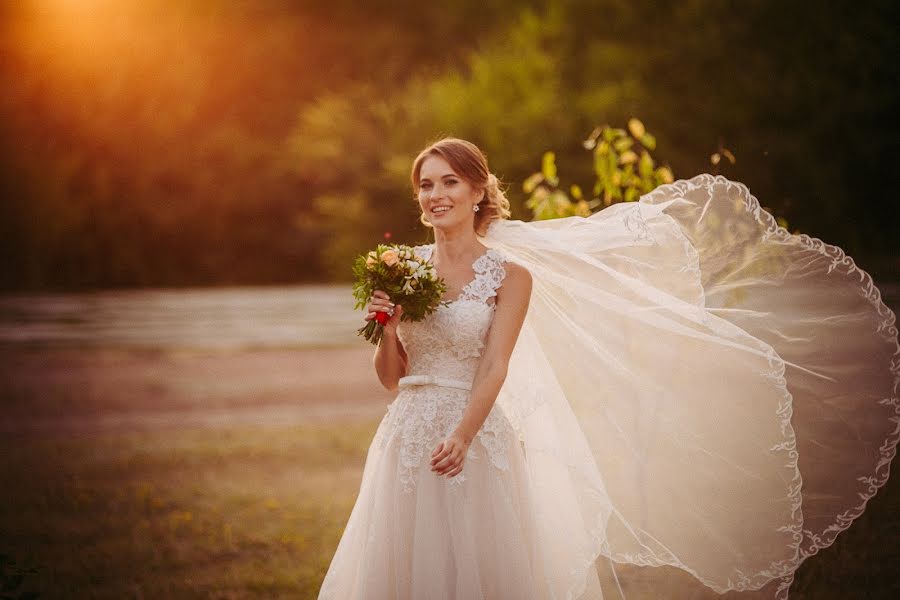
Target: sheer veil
x=703 y=398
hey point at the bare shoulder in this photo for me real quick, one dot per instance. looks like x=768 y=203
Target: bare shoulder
x=516 y=273
x=517 y=282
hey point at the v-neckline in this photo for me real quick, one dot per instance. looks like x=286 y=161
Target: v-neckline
x=463 y=289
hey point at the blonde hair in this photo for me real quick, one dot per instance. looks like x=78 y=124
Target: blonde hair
x=470 y=163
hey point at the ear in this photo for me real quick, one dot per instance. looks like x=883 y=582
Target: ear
x=479 y=194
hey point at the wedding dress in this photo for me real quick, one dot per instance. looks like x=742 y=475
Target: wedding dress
x=697 y=402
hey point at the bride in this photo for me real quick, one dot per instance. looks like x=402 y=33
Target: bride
x=672 y=398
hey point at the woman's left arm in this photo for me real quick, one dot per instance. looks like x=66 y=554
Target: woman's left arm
x=512 y=306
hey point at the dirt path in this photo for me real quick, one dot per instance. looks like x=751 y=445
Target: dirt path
x=58 y=390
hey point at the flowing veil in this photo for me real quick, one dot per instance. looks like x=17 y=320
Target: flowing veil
x=703 y=398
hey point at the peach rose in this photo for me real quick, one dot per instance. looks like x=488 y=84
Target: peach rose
x=390 y=258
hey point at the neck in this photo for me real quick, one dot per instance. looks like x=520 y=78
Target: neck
x=457 y=245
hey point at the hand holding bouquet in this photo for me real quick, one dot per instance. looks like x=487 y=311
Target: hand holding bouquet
x=408 y=280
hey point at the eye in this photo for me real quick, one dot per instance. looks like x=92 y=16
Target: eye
x=425 y=186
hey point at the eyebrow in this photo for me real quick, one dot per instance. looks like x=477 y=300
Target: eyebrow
x=442 y=177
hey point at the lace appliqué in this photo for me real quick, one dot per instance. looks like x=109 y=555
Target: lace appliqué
x=421 y=416
x=448 y=343
x=489 y=274
x=457 y=329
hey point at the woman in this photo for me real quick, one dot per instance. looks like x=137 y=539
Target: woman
x=671 y=398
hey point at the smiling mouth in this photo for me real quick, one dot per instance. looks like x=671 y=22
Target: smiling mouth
x=440 y=212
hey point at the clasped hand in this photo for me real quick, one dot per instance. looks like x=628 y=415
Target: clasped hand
x=449 y=456
x=381 y=302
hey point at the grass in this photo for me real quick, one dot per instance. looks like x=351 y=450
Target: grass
x=232 y=511
x=203 y=513
x=246 y=512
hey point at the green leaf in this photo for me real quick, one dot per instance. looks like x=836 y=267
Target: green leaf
x=601 y=166
x=529 y=185
x=561 y=202
x=608 y=134
x=548 y=168
x=665 y=175
x=623 y=144
x=645 y=165
x=648 y=141
x=628 y=157
x=636 y=128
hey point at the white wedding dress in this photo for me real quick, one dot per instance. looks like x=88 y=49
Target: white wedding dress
x=698 y=401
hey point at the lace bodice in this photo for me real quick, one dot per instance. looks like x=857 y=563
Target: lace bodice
x=444 y=349
x=448 y=342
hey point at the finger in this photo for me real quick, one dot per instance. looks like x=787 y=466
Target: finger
x=438 y=449
x=442 y=466
x=450 y=467
x=456 y=463
x=441 y=455
x=441 y=463
x=455 y=471
x=439 y=469
x=438 y=462
x=452 y=459
x=440 y=452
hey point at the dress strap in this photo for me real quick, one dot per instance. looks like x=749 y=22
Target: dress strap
x=489 y=276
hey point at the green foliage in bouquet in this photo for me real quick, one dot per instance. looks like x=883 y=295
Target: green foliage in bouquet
x=408 y=279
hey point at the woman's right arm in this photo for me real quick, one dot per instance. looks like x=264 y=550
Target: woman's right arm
x=390 y=358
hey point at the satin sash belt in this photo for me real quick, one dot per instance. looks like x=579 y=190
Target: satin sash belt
x=433 y=380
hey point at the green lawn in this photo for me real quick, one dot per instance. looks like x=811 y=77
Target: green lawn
x=256 y=513
x=180 y=513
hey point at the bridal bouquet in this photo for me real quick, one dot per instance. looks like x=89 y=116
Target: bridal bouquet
x=408 y=280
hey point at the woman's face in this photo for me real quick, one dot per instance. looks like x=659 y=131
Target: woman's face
x=445 y=197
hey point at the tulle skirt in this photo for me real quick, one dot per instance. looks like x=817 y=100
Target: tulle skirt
x=415 y=535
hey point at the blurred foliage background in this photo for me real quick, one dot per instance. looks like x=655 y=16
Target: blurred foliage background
x=155 y=143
